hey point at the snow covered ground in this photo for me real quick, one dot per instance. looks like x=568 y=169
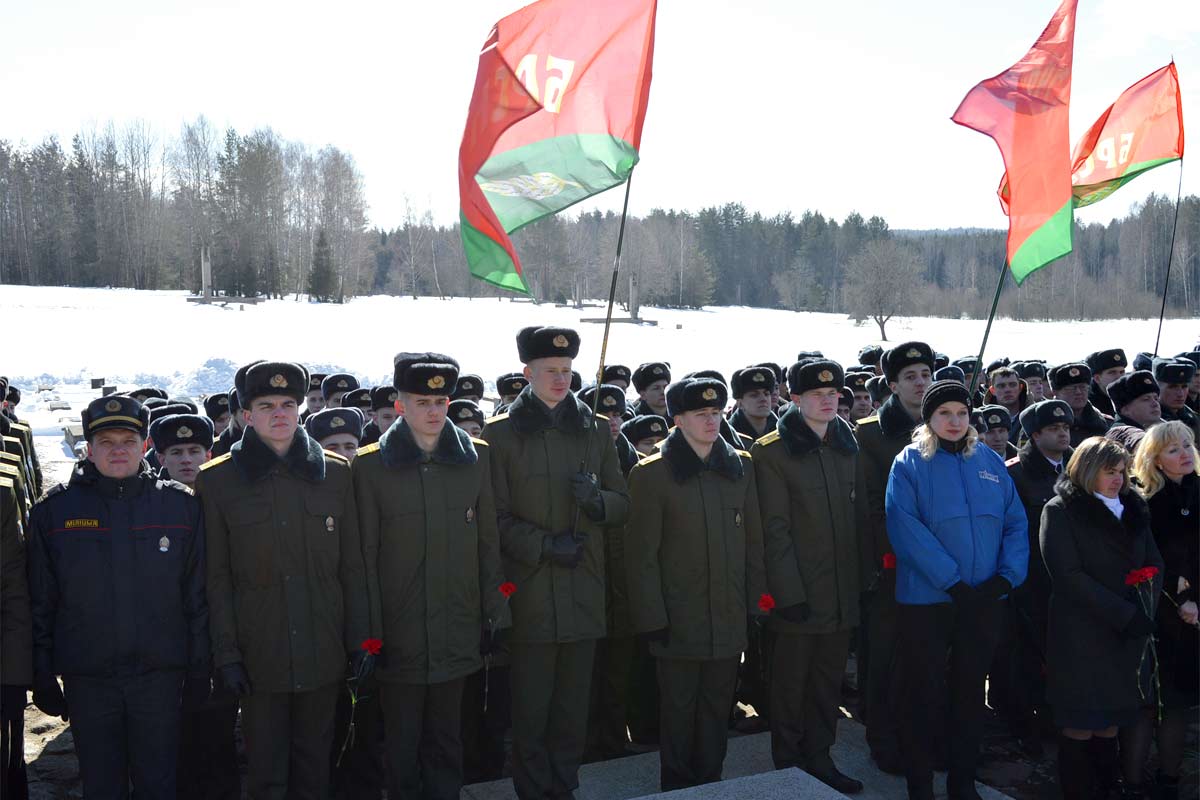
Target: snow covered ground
x=63 y=337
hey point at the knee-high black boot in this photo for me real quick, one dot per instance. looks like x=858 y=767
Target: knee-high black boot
x=1074 y=769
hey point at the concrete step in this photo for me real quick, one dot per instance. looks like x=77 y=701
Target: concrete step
x=784 y=784
x=637 y=776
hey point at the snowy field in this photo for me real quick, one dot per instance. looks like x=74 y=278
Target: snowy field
x=63 y=337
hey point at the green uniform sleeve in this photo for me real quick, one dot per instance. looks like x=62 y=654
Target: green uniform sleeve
x=222 y=622
x=779 y=549
x=520 y=541
x=352 y=574
x=368 y=534
x=491 y=572
x=756 y=579
x=612 y=482
x=647 y=605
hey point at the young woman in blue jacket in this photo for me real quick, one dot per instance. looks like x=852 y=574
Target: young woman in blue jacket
x=959 y=533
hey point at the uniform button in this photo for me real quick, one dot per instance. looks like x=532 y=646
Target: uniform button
x=284 y=523
x=293 y=631
x=287 y=577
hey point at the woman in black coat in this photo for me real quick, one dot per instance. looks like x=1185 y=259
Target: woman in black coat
x=1093 y=533
x=1166 y=473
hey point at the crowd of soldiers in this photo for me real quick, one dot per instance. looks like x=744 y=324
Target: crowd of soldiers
x=393 y=588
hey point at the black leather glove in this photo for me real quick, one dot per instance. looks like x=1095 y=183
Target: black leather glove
x=963 y=594
x=1138 y=626
x=661 y=636
x=48 y=696
x=235 y=679
x=196 y=690
x=562 y=549
x=795 y=613
x=994 y=588
x=586 y=490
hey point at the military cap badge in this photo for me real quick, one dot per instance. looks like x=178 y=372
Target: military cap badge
x=658 y=370
x=112 y=406
x=709 y=394
x=913 y=353
x=656 y=427
x=342 y=384
x=1117 y=358
x=393 y=396
x=464 y=413
x=436 y=382
x=758 y=378
x=222 y=401
x=337 y=422
x=1058 y=412
x=560 y=341
x=184 y=432
x=609 y=400
x=278 y=381
x=994 y=420
x=826 y=376
x=1074 y=372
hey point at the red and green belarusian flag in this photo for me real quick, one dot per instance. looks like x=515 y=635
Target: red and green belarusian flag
x=1141 y=131
x=1025 y=110
x=556 y=116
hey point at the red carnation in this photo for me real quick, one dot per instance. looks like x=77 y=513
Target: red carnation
x=1139 y=576
x=766 y=603
x=507 y=588
x=373 y=646
x=889 y=560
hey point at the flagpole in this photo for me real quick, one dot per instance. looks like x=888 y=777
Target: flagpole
x=1170 y=258
x=987 y=331
x=612 y=296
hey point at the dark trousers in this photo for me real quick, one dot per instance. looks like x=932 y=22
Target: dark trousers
x=641 y=707
x=1025 y=628
x=288 y=740
x=359 y=775
x=13 y=783
x=208 y=765
x=484 y=728
x=550 y=691
x=942 y=660
x=806 y=690
x=754 y=684
x=126 y=731
x=878 y=694
x=610 y=684
x=424 y=744
x=695 y=699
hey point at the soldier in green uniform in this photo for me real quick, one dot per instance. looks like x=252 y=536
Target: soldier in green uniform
x=650 y=380
x=695 y=565
x=16 y=643
x=805 y=472
x=908 y=372
x=753 y=388
x=432 y=554
x=286 y=585
x=552 y=515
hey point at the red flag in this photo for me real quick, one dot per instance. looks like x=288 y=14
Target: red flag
x=1142 y=130
x=556 y=116
x=1025 y=110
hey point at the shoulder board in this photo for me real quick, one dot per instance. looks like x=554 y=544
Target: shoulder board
x=19 y=426
x=865 y=420
x=214 y=462
x=478 y=442
x=1013 y=461
x=176 y=485
x=335 y=456
x=7 y=483
x=371 y=448
x=743 y=454
x=769 y=438
x=648 y=460
x=496 y=418
x=62 y=487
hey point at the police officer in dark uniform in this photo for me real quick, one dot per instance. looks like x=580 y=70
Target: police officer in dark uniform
x=1174 y=376
x=116 y=572
x=286 y=585
x=1071 y=383
x=1106 y=367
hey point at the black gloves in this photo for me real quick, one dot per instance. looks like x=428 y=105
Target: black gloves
x=994 y=588
x=797 y=613
x=196 y=690
x=963 y=594
x=586 y=490
x=562 y=549
x=1138 y=626
x=661 y=636
x=48 y=696
x=235 y=679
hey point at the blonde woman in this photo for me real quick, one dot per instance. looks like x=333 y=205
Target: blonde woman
x=1167 y=473
x=1094 y=532
x=959 y=532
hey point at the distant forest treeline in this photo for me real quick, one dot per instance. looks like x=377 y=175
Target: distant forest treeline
x=122 y=207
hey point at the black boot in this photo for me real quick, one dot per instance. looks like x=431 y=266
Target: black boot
x=961 y=787
x=920 y=788
x=1106 y=768
x=1166 y=787
x=1075 y=769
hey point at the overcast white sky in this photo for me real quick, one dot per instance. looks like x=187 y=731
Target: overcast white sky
x=780 y=104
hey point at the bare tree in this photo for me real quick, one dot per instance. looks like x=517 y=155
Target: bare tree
x=880 y=280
